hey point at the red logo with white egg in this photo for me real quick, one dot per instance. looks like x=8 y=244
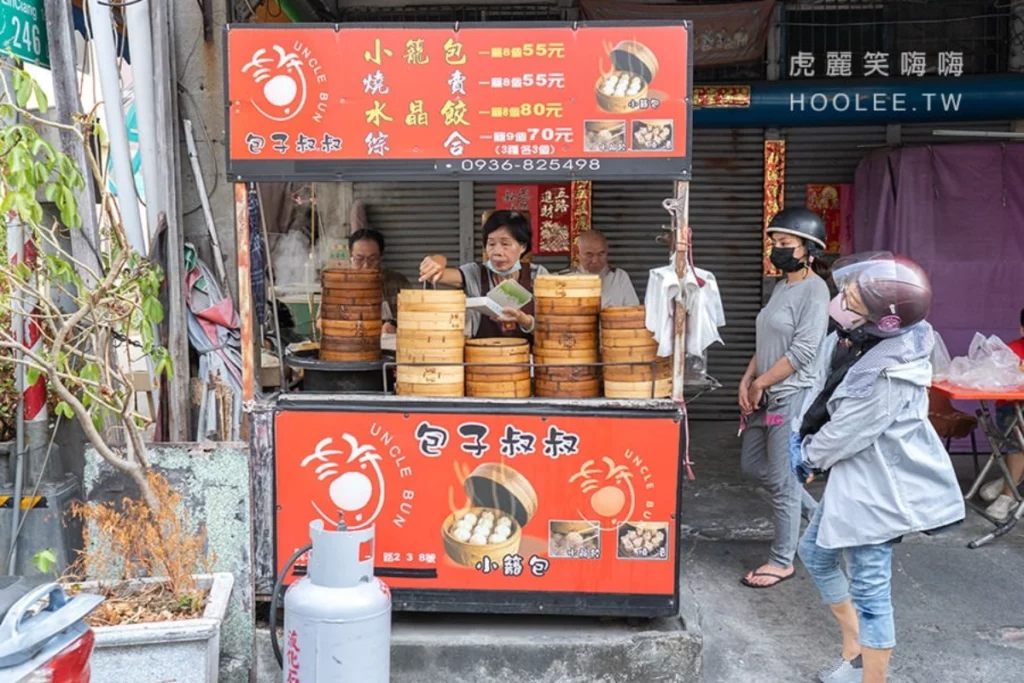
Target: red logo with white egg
x=608 y=490
x=282 y=77
x=355 y=483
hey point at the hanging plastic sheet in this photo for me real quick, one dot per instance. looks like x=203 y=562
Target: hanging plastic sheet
x=258 y=275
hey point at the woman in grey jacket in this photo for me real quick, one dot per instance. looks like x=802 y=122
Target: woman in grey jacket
x=866 y=423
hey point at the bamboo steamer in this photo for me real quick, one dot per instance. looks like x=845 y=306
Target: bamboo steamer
x=567 y=356
x=372 y=297
x=574 y=389
x=504 y=492
x=566 y=323
x=629 y=354
x=573 y=307
x=332 y=312
x=661 y=368
x=521 y=388
x=350 y=343
x=341 y=277
x=351 y=328
x=430 y=330
x=662 y=388
x=350 y=315
x=632 y=58
x=566 y=341
x=623 y=317
x=572 y=286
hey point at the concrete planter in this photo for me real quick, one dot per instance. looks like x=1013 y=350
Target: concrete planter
x=180 y=651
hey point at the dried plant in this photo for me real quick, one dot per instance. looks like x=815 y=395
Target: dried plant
x=132 y=540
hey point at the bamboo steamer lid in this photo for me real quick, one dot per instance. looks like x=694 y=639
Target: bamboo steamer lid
x=340 y=277
x=570 y=286
x=574 y=307
x=349 y=357
x=499 y=487
x=566 y=341
x=521 y=388
x=347 y=298
x=571 y=373
x=454 y=297
x=431 y=374
x=430 y=338
x=350 y=311
x=623 y=317
x=588 y=389
x=661 y=388
x=451 y=390
x=497 y=344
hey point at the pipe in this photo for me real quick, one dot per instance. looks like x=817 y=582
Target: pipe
x=787 y=103
x=117 y=134
x=978 y=134
x=16 y=246
x=143 y=79
x=197 y=171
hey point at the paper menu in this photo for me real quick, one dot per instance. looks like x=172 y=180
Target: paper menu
x=508 y=294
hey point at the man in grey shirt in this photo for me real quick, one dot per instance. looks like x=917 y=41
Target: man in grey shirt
x=616 y=287
x=789 y=332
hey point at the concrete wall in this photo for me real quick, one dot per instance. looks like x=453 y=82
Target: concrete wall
x=201 y=99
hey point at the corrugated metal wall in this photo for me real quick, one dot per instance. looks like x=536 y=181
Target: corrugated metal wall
x=825 y=155
x=416 y=218
x=921 y=134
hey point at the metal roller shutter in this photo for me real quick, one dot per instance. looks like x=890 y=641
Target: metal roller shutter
x=483 y=200
x=416 y=218
x=825 y=155
x=921 y=133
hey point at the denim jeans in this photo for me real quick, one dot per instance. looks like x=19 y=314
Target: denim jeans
x=869 y=583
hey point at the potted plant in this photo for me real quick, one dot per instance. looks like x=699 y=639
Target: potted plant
x=162 y=605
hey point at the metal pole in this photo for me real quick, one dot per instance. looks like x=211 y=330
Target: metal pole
x=273 y=291
x=144 y=84
x=16 y=246
x=680 y=210
x=197 y=171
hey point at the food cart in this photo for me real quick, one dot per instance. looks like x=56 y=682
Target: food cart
x=510 y=101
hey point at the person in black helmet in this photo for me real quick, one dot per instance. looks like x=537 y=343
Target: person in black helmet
x=790 y=329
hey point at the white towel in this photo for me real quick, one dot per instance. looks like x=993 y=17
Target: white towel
x=703 y=304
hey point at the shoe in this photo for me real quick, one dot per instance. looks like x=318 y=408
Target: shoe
x=842 y=671
x=992 y=490
x=1001 y=508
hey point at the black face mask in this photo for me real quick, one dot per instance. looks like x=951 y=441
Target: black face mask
x=783 y=259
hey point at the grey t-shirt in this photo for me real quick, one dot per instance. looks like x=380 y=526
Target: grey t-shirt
x=792 y=325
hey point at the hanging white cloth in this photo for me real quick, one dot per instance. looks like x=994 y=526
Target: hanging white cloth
x=705 y=313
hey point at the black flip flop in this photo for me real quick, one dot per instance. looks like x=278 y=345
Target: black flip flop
x=748 y=584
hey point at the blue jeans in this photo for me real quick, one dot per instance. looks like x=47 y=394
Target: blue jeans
x=869 y=584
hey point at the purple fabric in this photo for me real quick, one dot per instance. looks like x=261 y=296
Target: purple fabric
x=958 y=210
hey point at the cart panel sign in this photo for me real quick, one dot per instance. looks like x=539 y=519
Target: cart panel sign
x=489 y=502
x=482 y=101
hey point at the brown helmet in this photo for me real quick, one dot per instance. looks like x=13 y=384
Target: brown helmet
x=895 y=292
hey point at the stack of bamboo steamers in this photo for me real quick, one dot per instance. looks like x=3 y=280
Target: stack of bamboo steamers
x=350 y=318
x=567 y=311
x=430 y=330
x=626 y=339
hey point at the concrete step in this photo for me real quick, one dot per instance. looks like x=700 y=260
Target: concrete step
x=501 y=649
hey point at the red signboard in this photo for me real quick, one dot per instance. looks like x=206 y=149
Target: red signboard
x=551 y=209
x=587 y=504
x=601 y=100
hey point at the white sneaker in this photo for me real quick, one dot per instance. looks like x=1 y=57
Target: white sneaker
x=990 y=491
x=1001 y=508
x=842 y=671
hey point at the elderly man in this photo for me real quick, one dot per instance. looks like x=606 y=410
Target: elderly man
x=616 y=287
x=366 y=247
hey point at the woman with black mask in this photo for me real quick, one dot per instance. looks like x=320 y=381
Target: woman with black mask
x=790 y=329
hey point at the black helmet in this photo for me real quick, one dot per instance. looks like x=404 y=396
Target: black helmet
x=802 y=223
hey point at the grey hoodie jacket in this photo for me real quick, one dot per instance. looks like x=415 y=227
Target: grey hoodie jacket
x=889 y=472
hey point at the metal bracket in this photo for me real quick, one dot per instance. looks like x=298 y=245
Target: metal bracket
x=206 y=7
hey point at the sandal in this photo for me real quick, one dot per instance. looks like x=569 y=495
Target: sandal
x=778 y=579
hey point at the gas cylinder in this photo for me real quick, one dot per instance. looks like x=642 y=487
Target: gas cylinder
x=337 y=618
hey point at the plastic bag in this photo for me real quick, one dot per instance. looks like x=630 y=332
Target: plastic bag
x=990 y=365
x=940 y=359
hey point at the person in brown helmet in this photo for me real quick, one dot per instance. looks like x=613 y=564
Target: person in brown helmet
x=866 y=423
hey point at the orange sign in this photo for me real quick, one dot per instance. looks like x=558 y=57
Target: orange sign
x=487 y=502
x=600 y=100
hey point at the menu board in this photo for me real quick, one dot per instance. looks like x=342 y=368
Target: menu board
x=494 y=502
x=497 y=101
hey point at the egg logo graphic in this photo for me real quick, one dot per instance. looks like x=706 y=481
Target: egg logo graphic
x=357 y=483
x=612 y=496
x=284 y=83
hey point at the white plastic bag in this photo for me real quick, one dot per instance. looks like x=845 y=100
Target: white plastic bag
x=990 y=365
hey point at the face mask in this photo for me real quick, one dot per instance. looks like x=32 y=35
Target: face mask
x=847 y=319
x=783 y=259
x=504 y=273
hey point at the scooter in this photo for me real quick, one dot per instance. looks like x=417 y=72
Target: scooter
x=43 y=634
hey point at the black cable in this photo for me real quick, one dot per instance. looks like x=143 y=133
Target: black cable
x=275 y=598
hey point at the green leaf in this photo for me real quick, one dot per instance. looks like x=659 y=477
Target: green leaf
x=23 y=90
x=44 y=560
x=52 y=189
x=8 y=202
x=153 y=310
x=64 y=410
x=31 y=375
x=41 y=100
x=91 y=372
x=98 y=422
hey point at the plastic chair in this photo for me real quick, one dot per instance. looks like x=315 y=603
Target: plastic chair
x=951 y=423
